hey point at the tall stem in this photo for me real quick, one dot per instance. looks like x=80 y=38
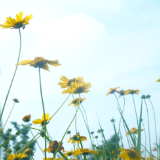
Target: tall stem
x=135 y=110
x=43 y=112
x=12 y=78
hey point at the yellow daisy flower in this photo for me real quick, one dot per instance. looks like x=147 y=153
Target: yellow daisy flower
x=76 y=138
x=75 y=101
x=111 y=91
x=41 y=121
x=67 y=82
x=122 y=93
x=69 y=153
x=12 y=156
x=158 y=80
x=152 y=157
x=130 y=154
x=133 y=131
x=132 y=91
x=18 y=23
x=76 y=89
x=85 y=151
x=40 y=62
x=113 y=152
x=154 y=149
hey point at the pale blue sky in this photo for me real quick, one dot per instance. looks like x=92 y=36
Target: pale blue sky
x=109 y=43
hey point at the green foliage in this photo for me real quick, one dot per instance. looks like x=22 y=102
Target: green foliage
x=18 y=142
x=112 y=147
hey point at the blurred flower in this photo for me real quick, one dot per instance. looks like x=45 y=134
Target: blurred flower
x=54 y=158
x=9 y=151
x=18 y=23
x=1 y=130
x=130 y=154
x=76 y=89
x=41 y=121
x=40 y=62
x=112 y=90
x=158 y=80
x=143 y=97
x=154 y=149
x=9 y=130
x=148 y=96
x=16 y=100
x=133 y=131
x=121 y=93
x=28 y=151
x=92 y=132
x=85 y=151
x=76 y=101
x=113 y=152
x=142 y=151
x=100 y=130
x=152 y=157
x=26 y=118
x=53 y=146
x=67 y=82
x=132 y=91
x=12 y=156
x=76 y=138
x=112 y=120
x=96 y=137
x=69 y=153
x=68 y=132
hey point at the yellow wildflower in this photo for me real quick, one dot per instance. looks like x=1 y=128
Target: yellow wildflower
x=18 y=23
x=12 y=156
x=111 y=91
x=122 y=93
x=158 y=80
x=154 y=149
x=69 y=153
x=133 y=130
x=67 y=82
x=85 y=151
x=76 y=89
x=76 y=138
x=40 y=62
x=41 y=121
x=26 y=118
x=76 y=101
x=130 y=154
x=132 y=91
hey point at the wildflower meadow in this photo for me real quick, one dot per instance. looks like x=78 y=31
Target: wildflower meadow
x=66 y=129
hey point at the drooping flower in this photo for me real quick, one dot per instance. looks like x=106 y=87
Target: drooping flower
x=40 y=62
x=76 y=101
x=12 y=156
x=41 y=121
x=67 y=82
x=158 y=80
x=130 y=154
x=76 y=138
x=132 y=91
x=53 y=146
x=26 y=118
x=85 y=151
x=69 y=153
x=16 y=23
x=133 y=131
x=111 y=91
x=77 y=89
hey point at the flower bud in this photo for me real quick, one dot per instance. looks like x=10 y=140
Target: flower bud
x=16 y=100
x=9 y=151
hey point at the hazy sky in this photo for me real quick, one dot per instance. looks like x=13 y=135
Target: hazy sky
x=109 y=43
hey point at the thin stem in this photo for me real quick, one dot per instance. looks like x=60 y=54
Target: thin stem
x=148 y=128
x=154 y=124
x=8 y=116
x=135 y=110
x=145 y=138
x=43 y=113
x=12 y=78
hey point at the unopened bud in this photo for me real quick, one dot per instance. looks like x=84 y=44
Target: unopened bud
x=9 y=151
x=16 y=100
x=17 y=133
x=28 y=151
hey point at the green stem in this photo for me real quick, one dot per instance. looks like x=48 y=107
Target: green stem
x=155 y=125
x=43 y=112
x=135 y=110
x=66 y=131
x=12 y=78
x=148 y=128
x=8 y=116
x=145 y=138
x=7 y=141
x=62 y=155
x=36 y=142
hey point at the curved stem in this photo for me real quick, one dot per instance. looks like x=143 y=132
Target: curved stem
x=12 y=77
x=43 y=112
